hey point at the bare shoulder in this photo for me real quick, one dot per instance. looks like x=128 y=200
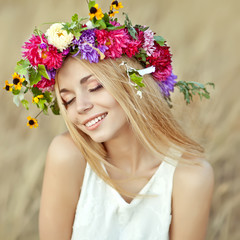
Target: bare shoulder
x=194 y=176
x=191 y=200
x=63 y=177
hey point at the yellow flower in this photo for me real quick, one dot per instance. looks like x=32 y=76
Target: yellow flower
x=96 y=12
x=8 y=86
x=36 y=99
x=111 y=13
x=17 y=81
x=32 y=122
x=116 y=5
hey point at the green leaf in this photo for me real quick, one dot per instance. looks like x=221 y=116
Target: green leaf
x=36 y=91
x=55 y=108
x=106 y=18
x=15 y=92
x=137 y=79
x=101 y=24
x=75 y=17
x=47 y=96
x=25 y=103
x=160 y=40
x=34 y=77
x=22 y=67
x=132 y=31
x=41 y=104
x=42 y=71
x=91 y=4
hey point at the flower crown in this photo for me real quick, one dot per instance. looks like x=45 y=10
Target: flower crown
x=101 y=37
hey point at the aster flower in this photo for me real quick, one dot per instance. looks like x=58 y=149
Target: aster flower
x=32 y=122
x=116 y=5
x=161 y=59
x=87 y=48
x=17 y=81
x=168 y=85
x=133 y=45
x=115 y=40
x=45 y=84
x=96 y=12
x=37 y=54
x=37 y=98
x=59 y=37
x=8 y=87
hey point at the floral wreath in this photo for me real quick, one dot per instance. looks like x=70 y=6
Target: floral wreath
x=101 y=37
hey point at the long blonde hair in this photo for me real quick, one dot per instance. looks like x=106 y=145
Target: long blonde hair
x=150 y=118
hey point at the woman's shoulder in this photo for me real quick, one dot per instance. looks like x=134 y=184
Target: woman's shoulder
x=64 y=154
x=199 y=173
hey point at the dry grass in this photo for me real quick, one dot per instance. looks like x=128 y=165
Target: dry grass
x=204 y=36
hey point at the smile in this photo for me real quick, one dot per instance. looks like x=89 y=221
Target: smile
x=95 y=120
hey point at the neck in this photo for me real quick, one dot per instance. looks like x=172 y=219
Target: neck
x=126 y=152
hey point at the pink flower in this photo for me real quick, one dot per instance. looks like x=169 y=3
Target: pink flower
x=45 y=85
x=49 y=56
x=148 y=45
x=133 y=45
x=115 y=40
x=161 y=59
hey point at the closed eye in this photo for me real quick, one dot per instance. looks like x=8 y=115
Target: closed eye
x=96 y=88
x=67 y=103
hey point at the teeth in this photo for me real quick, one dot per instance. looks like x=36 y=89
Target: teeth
x=95 y=120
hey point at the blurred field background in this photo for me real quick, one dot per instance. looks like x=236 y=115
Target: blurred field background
x=204 y=37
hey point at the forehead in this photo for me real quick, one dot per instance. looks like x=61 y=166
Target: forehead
x=73 y=67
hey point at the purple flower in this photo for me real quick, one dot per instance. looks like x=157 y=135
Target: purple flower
x=168 y=85
x=51 y=74
x=65 y=52
x=43 y=46
x=87 y=47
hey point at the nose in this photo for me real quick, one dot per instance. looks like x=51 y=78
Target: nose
x=83 y=104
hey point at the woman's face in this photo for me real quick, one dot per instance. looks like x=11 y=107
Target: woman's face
x=89 y=106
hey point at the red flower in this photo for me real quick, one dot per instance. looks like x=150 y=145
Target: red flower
x=161 y=59
x=133 y=45
x=49 y=56
x=45 y=84
x=115 y=40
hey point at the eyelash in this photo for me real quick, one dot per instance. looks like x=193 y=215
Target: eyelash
x=90 y=90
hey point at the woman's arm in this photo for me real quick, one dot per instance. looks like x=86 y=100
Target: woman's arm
x=192 y=194
x=63 y=177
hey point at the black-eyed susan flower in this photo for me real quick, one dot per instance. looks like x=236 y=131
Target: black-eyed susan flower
x=8 y=87
x=116 y=5
x=32 y=122
x=36 y=99
x=96 y=12
x=17 y=81
x=111 y=13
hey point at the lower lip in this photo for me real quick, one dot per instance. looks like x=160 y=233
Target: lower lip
x=94 y=126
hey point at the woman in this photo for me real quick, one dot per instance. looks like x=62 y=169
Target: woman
x=124 y=169
x=134 y=135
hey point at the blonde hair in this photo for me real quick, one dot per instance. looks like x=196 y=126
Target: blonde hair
x=150 y=119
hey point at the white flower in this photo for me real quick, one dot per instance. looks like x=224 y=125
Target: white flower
x=139 y=93
x=59 y=37
x=148 y=70
x=89 y=24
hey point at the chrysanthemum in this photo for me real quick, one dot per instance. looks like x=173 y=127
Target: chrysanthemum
x=45 y=85
x=116 y=5
x=36 y=99
x=96 y=12
x=86 y=47
x=161 y=59
x=59 y=37
x=133 y=45
x=168 y=85
x=115 y=40
x=8 y=87
x=148 y=44
x=17 y=81
x=32 y=122
x=48 y=56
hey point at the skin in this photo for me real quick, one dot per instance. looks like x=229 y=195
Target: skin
x=65 y=166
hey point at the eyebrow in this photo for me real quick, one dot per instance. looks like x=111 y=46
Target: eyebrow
x=82 y=81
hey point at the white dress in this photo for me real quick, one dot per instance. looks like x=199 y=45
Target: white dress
x=102 y=214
